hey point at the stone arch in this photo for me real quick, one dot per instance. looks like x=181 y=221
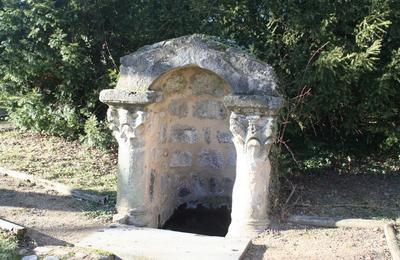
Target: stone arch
x=190 y=156
x=242 y=71
x=143 y=93
x=223 y=88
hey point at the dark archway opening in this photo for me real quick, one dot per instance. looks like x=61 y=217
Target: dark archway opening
x=200 y=220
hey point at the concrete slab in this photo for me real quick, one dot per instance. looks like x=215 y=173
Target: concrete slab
x=129 y=242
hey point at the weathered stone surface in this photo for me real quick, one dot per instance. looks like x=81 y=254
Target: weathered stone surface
x=209 y=109
x=30 y=257
x=152 y=181
x=212 y=184
x=199 y=185
x=175 y=84
x=224 y=137
x=23 y=251
x=51 y=257
x=211 y=159
x=178 y=107
x=227 y=184
x=183 y=192
x=207 y=135
x=209 y=188
x=163 y=135
x=250 y=104
x=231 y=160
x=71 y=253
x=183 y=134
x=208 y=84
x=181 y=159
x=243 y=72
x=145 y=243
x=165 y=183
x=114 y=96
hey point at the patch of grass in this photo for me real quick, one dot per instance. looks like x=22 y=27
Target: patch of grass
x=101 y=212
x=54 y=158
x=8 y=246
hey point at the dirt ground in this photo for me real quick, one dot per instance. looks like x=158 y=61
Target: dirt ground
x=51 y=219
x=346 y=195
x=56 y=220
x=299 y=242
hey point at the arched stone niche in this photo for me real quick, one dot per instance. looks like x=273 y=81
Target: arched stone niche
x=195 y=120
x=191 y=156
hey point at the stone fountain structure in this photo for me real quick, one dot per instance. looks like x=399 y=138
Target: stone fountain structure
x=195 y=120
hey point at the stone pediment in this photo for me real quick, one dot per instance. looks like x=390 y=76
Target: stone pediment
x=244 y=73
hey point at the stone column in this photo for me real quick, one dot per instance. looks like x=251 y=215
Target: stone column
x=253 y=124
x=127 y=118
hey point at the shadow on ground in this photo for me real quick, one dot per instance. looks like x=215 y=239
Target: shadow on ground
x=255 y=252
x=50 y=201
x=41 y=239
x=334 y=195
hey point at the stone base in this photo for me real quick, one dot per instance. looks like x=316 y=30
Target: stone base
x=127 y=242
x=133 y=217
x=249 y=230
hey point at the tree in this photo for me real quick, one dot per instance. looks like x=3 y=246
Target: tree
x=337 y=61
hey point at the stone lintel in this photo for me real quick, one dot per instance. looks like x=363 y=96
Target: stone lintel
x=116 y=97
x=258 y=104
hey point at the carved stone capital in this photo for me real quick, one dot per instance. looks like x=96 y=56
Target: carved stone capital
x=253 y=135
x=125 y=124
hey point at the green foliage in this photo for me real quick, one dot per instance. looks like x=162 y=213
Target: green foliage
x=8 y=246
x=56 y=56
x=31 y=112
x=96 y=134
x=343 y=57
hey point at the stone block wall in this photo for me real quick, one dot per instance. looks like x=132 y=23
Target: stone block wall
x=191 y=158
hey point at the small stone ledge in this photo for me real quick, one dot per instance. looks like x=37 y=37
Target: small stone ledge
x=123 y=97
x=129 y=242
x=253 y=102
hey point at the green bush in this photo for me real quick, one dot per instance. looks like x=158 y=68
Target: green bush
x=96 y=134
x=8 y=246
x=338 y=63
x=31 y=112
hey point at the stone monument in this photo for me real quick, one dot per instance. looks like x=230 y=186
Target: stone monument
x=195 y=119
